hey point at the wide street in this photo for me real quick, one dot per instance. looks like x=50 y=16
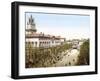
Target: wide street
x=69 y=58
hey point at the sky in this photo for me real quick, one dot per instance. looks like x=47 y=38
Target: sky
x=69 y=26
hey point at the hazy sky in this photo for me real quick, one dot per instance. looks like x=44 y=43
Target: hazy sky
x=68 y=26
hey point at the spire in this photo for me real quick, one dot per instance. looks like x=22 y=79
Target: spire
x=31 y=24
x=31 y=20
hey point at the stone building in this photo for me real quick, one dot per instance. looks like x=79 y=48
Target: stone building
x=40 y=39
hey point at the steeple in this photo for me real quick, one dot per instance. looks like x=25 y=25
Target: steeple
x=31 y=24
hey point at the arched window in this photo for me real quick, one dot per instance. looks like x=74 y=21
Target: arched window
x=35 y=43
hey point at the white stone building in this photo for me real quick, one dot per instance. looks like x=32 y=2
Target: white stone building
x=40 y=39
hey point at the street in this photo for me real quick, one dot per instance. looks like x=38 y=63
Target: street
x=69 y=58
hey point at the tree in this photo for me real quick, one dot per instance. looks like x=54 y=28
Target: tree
x=43 y=57
x=83 y=58
x=28 y=55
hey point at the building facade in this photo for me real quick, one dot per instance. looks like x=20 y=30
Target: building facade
x=40 y=39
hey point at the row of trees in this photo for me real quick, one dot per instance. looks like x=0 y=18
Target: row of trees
x=44 y=57
x=83 y=58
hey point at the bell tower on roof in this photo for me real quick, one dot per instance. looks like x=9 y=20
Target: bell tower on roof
x=30 y=26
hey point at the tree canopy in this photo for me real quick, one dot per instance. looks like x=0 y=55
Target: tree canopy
x=83 y=58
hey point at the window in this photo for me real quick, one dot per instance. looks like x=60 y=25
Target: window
x=35 y=43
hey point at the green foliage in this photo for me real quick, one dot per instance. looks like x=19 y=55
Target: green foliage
x=83 y=58
x=43 y=57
